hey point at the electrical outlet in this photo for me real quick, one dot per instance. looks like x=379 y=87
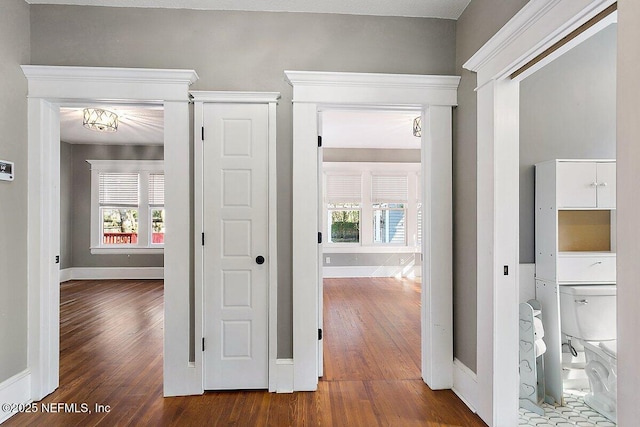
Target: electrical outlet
x=327 y=260
x=402 y=261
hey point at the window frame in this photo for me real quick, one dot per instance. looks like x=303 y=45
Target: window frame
x=367 y=170
x=143 y=168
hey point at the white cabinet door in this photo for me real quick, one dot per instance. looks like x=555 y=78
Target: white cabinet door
x=576 y=184
x=235 y=212
x=606 y=177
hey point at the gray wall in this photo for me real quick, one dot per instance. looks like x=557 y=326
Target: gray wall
x=567 y=110
x=370 y=155
x=479 y=22
x=66 y=205
x=80 y=194
x=14 y=51
x=245 y=51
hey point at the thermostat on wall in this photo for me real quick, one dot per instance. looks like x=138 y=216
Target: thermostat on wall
x=6 y=170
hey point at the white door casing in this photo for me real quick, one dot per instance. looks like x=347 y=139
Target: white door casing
x=434 y=96
x=536 y=28
x=49 y=87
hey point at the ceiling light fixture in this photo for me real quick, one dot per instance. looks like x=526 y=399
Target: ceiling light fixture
x=417 y=126
x=100 y=120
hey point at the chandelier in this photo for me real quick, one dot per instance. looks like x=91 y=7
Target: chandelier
x=417 y=126
x=100 y=120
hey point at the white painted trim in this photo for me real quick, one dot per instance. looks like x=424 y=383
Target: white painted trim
x=16 y=389
x=392 y=91
x=270 y=98
x=48 y=89
x=112 y=273
x=315 y=91
x=337 y=248
x=408 y=270
x=65 y=275
x=235 y=97
x=284 y=376
x=534 y=29
x=465 y=384
x=97 y=84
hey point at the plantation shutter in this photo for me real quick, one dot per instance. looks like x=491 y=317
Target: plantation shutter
x=389 y=189
x=156 y=189
x=344 y=188
x=118 y=189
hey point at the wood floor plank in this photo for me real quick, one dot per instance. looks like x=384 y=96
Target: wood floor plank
x=111 y=336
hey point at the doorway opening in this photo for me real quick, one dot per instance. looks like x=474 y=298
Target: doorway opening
x=370 y=214
x=112 y=228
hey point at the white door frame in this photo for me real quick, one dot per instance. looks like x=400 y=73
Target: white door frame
x=434 y=96
x=49 y=87
x=538 y=26
x=271 y=99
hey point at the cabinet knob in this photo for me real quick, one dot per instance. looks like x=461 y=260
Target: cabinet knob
x=594 y=184
x=603 y=184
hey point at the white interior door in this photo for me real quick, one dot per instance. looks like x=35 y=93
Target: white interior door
x=235 y=256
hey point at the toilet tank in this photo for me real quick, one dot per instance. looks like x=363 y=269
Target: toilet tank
x=588 y=312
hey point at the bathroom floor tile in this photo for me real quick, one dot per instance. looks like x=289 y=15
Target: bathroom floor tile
x=575 y=413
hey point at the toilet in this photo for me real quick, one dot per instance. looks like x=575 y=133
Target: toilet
x=588 y=314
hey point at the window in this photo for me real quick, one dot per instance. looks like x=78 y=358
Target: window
x=343 y=195
x=344 y=222
x=389 y=223
x=389 y=194
x=372 y=205
x=127 y=208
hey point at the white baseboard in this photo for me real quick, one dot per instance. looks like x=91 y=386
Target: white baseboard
x=465 y=384
x=106 y=273
x=409 y=271
x=285 y=376
x=65 y=275
x=15 y=390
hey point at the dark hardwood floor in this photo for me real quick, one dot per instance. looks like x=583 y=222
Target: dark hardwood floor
x=111 y=354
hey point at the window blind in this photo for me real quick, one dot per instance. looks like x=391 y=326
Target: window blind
x=156 y=189
x=344 y=188
x=118 y=189
x=387 y=188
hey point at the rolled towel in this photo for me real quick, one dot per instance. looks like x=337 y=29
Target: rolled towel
x=541 y=347
x=538 y=328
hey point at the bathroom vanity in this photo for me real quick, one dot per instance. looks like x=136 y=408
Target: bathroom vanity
x=575 y=243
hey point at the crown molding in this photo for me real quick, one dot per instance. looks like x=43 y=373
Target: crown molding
x=528 y=28
x=322 y=78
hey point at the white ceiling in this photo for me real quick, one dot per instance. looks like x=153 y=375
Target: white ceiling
x=138 y=125
x=369 y=129
x=447 y=9
x=143 y=125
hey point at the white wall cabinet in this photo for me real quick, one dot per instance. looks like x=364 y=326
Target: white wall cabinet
x=575 y=242
x=586 y=184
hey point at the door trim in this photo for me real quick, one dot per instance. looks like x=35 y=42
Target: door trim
x=537 y=27
x=434 y=96
x=49 y=87
x=231 y=97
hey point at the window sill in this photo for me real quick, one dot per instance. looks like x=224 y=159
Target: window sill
x=126 y=251
x=377 y=249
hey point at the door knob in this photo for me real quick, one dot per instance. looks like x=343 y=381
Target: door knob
x=260 y=259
